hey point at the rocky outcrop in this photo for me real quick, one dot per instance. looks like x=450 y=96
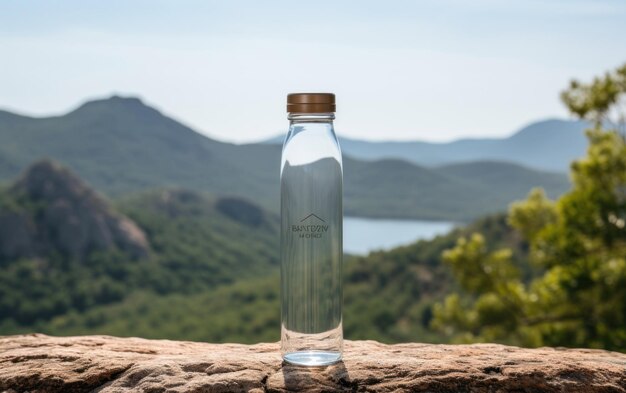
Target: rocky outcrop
x=39 y=363
x=53 y=211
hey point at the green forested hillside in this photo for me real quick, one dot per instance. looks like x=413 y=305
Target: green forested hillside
x=208 y=271
x=120 y=145
x=201 y=241
x=457 y=192
x=195 y=243
x=388 y=296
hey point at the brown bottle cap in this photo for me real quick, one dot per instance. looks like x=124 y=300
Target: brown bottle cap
x=310 y=102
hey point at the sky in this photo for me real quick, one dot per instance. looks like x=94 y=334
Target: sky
x=434 y=70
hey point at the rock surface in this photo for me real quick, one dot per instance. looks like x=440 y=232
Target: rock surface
x=39 y=363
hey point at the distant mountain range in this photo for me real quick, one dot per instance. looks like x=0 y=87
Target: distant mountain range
x=120 y=145
x=549 y=145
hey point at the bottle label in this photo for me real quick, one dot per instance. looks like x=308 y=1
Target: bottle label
x=310 y=227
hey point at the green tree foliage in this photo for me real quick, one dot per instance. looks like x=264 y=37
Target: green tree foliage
x=576 y=294
x=601 y=101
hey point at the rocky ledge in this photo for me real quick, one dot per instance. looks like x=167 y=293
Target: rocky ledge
x=40 y=363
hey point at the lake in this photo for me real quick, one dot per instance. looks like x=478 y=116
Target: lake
x=362 y=235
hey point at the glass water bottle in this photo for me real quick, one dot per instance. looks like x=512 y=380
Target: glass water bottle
x=311 y=187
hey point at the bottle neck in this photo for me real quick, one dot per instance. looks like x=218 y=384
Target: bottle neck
x=297 y=118
x=312 y=124
x=311 y=137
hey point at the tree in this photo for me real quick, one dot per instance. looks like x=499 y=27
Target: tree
x=576 y=295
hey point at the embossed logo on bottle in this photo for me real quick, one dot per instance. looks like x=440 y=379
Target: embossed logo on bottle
x=310 y=227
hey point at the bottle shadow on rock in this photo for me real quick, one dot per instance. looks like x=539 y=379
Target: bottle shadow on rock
x=318 y=378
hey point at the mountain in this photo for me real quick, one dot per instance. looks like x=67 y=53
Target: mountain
x=64 y=248
x=548 y=145
x=50 y=210
x=120 y=145
x=457 y=192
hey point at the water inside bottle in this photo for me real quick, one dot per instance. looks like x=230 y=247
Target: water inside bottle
x=311 y=247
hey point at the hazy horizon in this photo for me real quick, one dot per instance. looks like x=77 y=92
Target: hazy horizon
x=165 y=112
x=434 y=71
